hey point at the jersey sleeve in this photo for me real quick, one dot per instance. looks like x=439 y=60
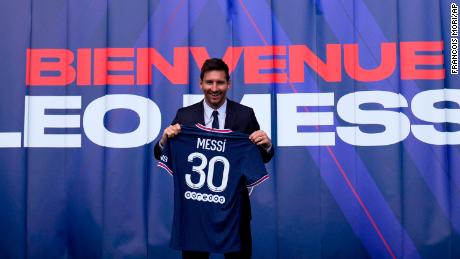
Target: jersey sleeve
x=253 y=167
x=165 y=161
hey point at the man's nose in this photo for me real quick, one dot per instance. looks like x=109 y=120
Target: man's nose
x=214 y=86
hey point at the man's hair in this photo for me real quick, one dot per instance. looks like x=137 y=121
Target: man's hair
x=213 y=64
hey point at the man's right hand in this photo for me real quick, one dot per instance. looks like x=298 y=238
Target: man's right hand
x=169 y=132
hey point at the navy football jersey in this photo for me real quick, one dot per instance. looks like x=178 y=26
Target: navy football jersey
x=210 y=168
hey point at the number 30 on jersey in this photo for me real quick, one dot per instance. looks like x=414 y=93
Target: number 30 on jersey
x=210 y=174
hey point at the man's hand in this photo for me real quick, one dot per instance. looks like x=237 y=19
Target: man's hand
x=170 y=132
x=260 y=138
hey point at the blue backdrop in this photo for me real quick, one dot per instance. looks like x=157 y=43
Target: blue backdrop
x=367 y=145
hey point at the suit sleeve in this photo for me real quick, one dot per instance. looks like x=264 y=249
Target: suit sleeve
x=165 y=160
x=254 y=126
x=157 y=149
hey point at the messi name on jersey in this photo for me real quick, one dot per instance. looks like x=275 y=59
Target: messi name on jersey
x=211 y=144
x=211 y=168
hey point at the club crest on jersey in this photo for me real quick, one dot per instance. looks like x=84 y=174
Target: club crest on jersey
x=164 y=158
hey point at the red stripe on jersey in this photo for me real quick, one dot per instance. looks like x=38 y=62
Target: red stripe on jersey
x=212 y=130
x=265 y=177
x=164 y=166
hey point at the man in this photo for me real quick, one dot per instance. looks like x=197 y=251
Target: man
x=216 y=111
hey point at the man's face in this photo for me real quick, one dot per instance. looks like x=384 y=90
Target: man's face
x=215 y=86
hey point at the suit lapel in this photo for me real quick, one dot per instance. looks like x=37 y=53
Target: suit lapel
x=229 y=115
x=198 y=114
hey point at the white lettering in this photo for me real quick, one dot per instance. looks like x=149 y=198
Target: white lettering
x=289 y=118
x=397 y=125
x=36 y=121
x=149 y=121
x=10 y=139
x=211 y=144
x=200 y=143
x=423 y=107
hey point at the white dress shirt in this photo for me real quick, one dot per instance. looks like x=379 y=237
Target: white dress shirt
x=208 y=119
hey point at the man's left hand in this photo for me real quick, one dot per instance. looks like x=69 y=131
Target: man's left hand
x=260 y=138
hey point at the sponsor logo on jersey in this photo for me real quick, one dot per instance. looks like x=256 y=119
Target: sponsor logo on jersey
x=204 y=197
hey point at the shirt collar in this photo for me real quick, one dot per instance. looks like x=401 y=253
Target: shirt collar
x=208 y=110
